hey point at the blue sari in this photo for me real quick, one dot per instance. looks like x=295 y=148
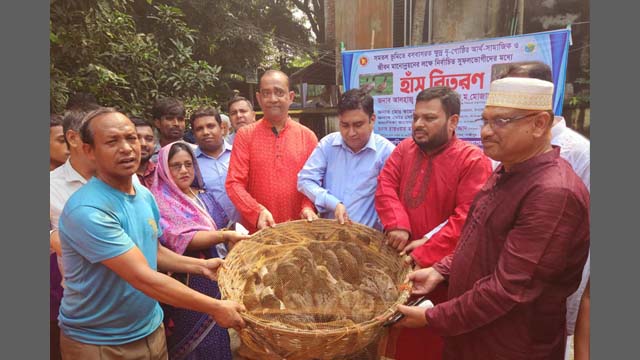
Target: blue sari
x=193 y=335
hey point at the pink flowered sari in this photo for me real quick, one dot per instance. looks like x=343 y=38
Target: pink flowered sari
x=190 y=334
x=180 y=218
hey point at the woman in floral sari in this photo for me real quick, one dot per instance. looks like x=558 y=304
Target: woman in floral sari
x=188 y=229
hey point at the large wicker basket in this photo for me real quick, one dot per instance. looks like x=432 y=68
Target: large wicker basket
x=275 y=340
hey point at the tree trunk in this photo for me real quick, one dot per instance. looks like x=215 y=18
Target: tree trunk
x=318 y=7
x=418 y=22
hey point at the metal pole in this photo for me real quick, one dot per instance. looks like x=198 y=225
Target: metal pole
x=430 y=31
x=521 y=17
x=404 y=25
x=410 y=19
x=514 y=18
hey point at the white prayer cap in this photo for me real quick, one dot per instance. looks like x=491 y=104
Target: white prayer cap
x=521 y=93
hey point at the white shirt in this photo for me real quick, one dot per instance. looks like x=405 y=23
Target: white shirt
x=63 y=182
x=574 y=148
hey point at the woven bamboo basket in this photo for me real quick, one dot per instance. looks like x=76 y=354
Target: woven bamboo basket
x=273 y=339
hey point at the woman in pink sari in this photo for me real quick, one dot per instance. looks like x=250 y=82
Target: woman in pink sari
x=188 y=229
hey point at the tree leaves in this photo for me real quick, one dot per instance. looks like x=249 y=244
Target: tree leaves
x=95 y=47
x=128 y=52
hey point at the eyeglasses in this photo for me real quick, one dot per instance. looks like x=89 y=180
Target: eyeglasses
x=177 y=167
x=502 y=122
x=277 y=91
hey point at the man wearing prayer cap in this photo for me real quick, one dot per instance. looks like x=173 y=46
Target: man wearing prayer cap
x=524 y=244
x=574 y=148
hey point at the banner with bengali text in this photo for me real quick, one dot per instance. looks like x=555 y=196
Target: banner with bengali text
x=395 y=76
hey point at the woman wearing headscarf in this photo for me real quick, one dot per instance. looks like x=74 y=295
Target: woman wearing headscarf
x=189 y=229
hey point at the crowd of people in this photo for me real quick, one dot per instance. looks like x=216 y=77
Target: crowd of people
x=498 y=237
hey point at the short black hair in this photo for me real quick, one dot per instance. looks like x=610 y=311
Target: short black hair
x=355 y=99
x=82 y=101
x=138 y=121
x=530 y=69
x=55 y=120
x=449 y=98
x=85 y=129
x=235 y=99
x=72 y=120
x=205 y=111
x=167 y=106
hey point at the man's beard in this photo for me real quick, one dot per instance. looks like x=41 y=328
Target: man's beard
x=434 y=142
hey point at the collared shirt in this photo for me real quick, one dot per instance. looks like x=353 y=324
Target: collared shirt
x=263 y=171
x=214 y=174
x=147 y=178
x=334 y=173
x=63 y=182
x=418 y=191
x=520 y=255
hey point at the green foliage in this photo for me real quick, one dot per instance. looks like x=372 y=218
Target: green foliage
x=129 y=52
x=581 y=99
x=99 y=50
x=301 y=61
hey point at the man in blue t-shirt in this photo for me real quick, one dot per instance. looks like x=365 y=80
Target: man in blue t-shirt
x=110 y=250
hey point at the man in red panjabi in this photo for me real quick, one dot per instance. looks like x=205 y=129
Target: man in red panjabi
x=266 y=158
x=423 y=196
x=522 y=250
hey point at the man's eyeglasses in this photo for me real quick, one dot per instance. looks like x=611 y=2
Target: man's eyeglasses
x=177 y=167
x=502 y=122
x=278 y=92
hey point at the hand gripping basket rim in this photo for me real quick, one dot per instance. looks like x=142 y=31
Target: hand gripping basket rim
x=260 y=325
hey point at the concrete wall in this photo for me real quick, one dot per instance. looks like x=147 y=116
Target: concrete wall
x=458 y=20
